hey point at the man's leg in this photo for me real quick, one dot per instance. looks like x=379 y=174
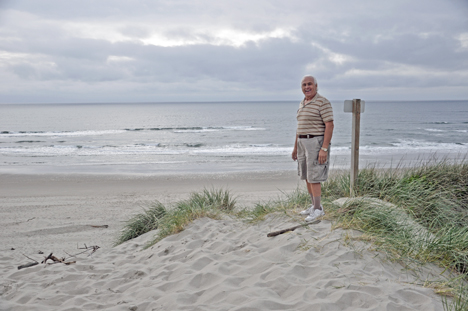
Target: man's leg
x=309 y=189
x=317 y=210
x=316 y=190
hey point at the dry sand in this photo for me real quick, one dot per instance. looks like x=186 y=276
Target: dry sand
x=52 y=213
x=212 y=265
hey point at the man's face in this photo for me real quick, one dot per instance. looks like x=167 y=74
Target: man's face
x=308 y=87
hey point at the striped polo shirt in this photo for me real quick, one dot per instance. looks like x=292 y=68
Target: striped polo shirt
x=312 y=115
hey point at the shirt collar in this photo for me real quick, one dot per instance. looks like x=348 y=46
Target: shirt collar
x=304 y=102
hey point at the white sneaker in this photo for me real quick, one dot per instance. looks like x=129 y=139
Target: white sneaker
x=315 y=214
x=307 y=211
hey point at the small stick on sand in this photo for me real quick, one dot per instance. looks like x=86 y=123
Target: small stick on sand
x=28 y=265
x=57 y=260
x=275 y=233
x=69 y=262
x=94 y=248
x=51 y=257
x=31 y=264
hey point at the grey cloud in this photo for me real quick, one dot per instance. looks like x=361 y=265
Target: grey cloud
x=435 y=51
x=377 y=37
x=203 y=59
x=24 y=71
x=135 y=31
x=274 y=62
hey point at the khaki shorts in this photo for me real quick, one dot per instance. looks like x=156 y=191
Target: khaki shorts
x=308 y=167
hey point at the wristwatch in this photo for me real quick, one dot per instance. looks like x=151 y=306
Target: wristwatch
x=324 y=149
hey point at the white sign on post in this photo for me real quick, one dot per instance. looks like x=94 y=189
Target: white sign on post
x=356 y=106
x=348 y=106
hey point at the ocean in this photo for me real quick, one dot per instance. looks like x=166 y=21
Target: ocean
x=216 y=137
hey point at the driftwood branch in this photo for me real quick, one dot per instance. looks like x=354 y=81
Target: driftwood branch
x=63 y=260
x=31 y=264
x=53 y=258
x=275 y=233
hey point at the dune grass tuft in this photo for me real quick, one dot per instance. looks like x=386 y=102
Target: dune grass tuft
x=208 y=203
x=220 y=199
x=142 y=223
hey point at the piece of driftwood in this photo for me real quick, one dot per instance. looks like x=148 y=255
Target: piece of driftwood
x=69 y=262
x=275 y=233
x=53 y=258
x=63 y=260
x=57 y=260
x=103 y=226
x=31 y=264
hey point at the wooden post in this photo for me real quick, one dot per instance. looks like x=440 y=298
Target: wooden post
x=355 y=144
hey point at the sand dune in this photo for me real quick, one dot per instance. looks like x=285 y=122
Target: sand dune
x=212 y=265
x=222 y=265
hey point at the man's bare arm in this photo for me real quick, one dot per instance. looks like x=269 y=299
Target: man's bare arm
x=294 y=153
x=326 y=141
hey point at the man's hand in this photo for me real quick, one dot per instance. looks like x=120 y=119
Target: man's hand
x=322 y=158
x=294 y=154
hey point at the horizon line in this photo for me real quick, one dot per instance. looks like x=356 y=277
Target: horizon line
x=215 y=101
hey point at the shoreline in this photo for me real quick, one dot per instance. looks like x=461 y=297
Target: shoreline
x=339 y=162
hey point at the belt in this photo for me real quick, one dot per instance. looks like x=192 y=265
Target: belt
x=309 y=136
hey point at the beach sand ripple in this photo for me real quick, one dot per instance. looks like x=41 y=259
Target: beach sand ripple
x=222 y=265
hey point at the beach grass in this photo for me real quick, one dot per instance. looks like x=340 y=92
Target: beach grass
x=208 y=203
x=142 y=223
x=415 y=216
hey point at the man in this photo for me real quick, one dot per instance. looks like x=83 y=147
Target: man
x=312 y=145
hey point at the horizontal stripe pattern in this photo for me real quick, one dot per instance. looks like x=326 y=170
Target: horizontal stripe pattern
x=312 y=115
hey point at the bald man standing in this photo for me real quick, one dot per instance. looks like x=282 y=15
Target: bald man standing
x=312 y=145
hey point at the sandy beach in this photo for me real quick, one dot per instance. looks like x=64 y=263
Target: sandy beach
x=212 y=265
x=52 y=213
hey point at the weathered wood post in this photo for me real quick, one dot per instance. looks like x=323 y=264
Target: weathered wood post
x=356 y=106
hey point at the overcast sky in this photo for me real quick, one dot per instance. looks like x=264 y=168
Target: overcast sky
x=216 y=50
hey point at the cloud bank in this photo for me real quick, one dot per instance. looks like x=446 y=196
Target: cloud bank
x=199 y=50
